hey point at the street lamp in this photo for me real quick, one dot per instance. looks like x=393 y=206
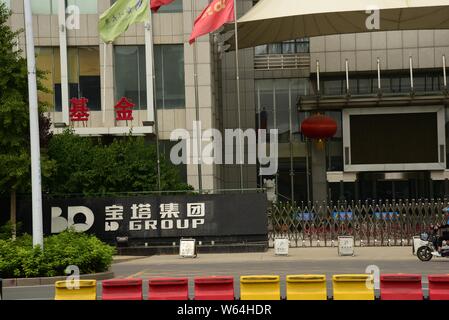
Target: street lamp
x=36 y=189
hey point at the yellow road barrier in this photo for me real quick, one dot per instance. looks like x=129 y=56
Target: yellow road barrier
x=76 y=290
x=353 y=287
x=260 y=288
x=306 y=287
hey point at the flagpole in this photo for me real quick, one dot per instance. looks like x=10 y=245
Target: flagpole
x=151 y=89
x=197 y=106
x=105 y=47
x=238 y=93
x=38 y=237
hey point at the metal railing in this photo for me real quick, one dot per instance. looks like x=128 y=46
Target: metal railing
x=389 y=223
x=282 y=61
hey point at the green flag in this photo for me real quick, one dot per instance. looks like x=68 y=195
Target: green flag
x=123 y=13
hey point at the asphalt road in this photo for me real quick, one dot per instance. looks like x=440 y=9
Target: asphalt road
x=250 y=264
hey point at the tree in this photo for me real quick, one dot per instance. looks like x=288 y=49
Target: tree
x=128 y=164
x=15 y=164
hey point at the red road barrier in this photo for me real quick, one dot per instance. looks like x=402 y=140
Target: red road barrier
x=438 y=286
x=122 y=289
x=401 y=287
x=214 y=288
x=168 y=289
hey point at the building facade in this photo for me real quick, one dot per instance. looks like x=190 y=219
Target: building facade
x=278 y=90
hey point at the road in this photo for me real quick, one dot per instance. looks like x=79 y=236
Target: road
x=300 y=261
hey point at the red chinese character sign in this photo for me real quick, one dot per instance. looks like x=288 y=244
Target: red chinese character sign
x=124 y=110
x=79 y=110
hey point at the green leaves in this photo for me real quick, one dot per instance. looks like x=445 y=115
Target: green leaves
x=19 y=258
x=14 y=115
x=90 y=167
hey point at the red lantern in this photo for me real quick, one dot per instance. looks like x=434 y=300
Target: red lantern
x=319 y=127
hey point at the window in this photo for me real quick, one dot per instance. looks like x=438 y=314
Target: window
x=170 y=78
x=175 y=6
x=85 y=6
x=286 y=47
x=44 y=6
x=130 y=75
x=51 y=6
x=276 y=109
x=83 y=71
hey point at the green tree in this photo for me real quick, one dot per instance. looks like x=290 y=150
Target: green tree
x=128 y=164
x=15 y=164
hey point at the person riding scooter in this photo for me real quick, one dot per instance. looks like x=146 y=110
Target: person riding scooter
x=442 y=232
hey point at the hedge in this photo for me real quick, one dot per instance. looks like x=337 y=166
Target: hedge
x=19 y=259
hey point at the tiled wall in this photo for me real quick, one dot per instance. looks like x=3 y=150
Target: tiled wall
x=393 y=48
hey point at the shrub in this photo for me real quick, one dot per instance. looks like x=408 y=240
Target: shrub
x=19 y=258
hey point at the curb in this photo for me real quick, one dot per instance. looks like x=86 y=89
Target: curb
x=29 y=282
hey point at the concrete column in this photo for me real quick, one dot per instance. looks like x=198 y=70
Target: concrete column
x=319 y=179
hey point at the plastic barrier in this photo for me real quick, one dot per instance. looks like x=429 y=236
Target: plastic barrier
x=76 y=290
x=260 y=288
x=306 y=287
x=401 y=287
x=438 y=287
x=214 y=288
x=168 y=289
x=353 y=287
x=122 y=289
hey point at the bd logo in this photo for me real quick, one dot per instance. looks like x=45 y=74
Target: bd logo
x=78 y=217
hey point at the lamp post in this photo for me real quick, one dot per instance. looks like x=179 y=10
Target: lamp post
x=34 y=129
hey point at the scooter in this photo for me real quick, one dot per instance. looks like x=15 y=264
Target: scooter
x=429 y=250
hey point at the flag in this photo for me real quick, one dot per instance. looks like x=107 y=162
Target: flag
x=216 y=14
x=122 y=14
x=156 y=4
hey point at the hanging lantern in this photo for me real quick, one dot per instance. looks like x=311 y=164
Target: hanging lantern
x=319 y=127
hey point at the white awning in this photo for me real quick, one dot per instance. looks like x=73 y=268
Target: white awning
x=272 y=21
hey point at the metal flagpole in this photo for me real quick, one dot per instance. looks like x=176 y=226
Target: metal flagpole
x=238 y=94
x=105 y=47
x=38 y=238
x=151 y=89
x=197 y=107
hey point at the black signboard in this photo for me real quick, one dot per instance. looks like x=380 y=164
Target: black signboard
x=154 y=217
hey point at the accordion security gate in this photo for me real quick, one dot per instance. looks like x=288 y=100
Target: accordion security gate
x=389 y=223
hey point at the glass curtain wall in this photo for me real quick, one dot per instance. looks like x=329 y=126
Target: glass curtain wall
x=130 y=75
x=276 y=109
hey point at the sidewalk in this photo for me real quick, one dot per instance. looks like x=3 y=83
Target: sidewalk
x=295 y=254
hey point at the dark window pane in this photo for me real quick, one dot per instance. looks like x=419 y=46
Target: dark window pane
x=90 y=88
x=275 y=48
x=261 y=50
x=170 y=79
x=126 y=71
x=288 y=47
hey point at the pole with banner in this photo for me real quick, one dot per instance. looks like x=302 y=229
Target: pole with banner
x=36 y=188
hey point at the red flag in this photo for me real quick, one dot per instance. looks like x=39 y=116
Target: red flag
x=156 y=4
x=216 y=14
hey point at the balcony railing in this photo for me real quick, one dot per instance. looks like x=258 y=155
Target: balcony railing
x=282 y=61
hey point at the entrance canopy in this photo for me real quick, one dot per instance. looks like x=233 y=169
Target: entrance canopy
x=272 y=21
